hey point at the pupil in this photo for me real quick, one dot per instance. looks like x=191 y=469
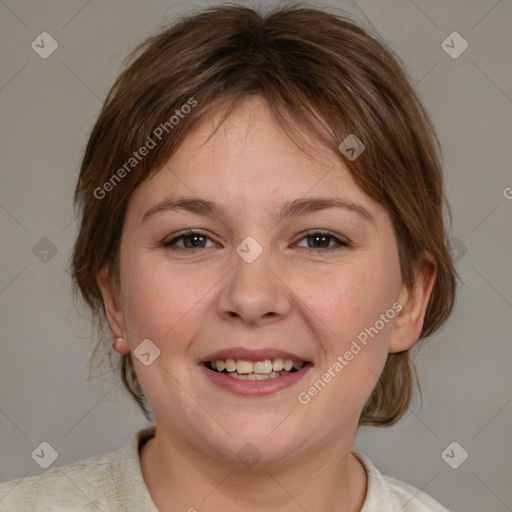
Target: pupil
x=316 y=237
x=194 y=238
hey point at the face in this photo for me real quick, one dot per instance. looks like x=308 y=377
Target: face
x=249 y=288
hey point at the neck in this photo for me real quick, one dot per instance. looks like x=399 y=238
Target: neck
x=181 y=477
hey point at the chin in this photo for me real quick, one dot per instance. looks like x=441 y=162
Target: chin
x=258 y=442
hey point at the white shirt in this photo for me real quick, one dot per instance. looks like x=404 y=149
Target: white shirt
x=113 y=482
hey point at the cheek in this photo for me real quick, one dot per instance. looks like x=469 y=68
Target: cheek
x=359 y=314
x=161 y=301
x=160 y=304
x=355 y=296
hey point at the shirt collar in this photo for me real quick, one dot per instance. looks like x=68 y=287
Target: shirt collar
x=131 y=492
x=377 y=498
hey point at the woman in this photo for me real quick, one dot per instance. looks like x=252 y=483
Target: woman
x=262 y=232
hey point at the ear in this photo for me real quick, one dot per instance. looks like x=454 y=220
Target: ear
x=113 y=309
x=409 y=322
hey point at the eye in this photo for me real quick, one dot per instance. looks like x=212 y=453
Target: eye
x=191 y=239
x=321 y=240
x=196 y=240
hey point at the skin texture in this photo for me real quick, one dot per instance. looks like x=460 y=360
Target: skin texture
x=296 y=296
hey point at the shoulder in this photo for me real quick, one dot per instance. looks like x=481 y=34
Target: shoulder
x=411 y=498
x=395 y=494
x=110 y=482
x=78 y=486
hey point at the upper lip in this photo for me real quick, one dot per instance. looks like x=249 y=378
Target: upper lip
x=252 y=354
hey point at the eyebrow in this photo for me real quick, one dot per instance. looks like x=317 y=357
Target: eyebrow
x=298 y=207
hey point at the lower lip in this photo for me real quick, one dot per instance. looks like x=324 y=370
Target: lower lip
x=254 y=387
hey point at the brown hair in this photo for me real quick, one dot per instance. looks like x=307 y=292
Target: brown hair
x=320 y=73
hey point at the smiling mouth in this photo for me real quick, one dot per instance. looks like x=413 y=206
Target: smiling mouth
x=259 y=370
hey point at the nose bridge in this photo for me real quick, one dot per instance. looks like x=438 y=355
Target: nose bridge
x=253 y=291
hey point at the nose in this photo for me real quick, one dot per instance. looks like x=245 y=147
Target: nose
x=254 y=293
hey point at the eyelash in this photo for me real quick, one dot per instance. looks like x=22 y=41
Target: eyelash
x=189 y=233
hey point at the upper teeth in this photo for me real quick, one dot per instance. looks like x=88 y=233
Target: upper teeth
x=265 y=366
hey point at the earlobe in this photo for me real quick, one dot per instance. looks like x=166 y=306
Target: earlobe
x=409 y=322
x=113 y=310
x=121 y=345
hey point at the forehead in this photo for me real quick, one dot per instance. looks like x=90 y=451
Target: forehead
x=249 y=161
x=251 y=135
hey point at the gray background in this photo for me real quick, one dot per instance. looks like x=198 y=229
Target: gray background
x=48 y=107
